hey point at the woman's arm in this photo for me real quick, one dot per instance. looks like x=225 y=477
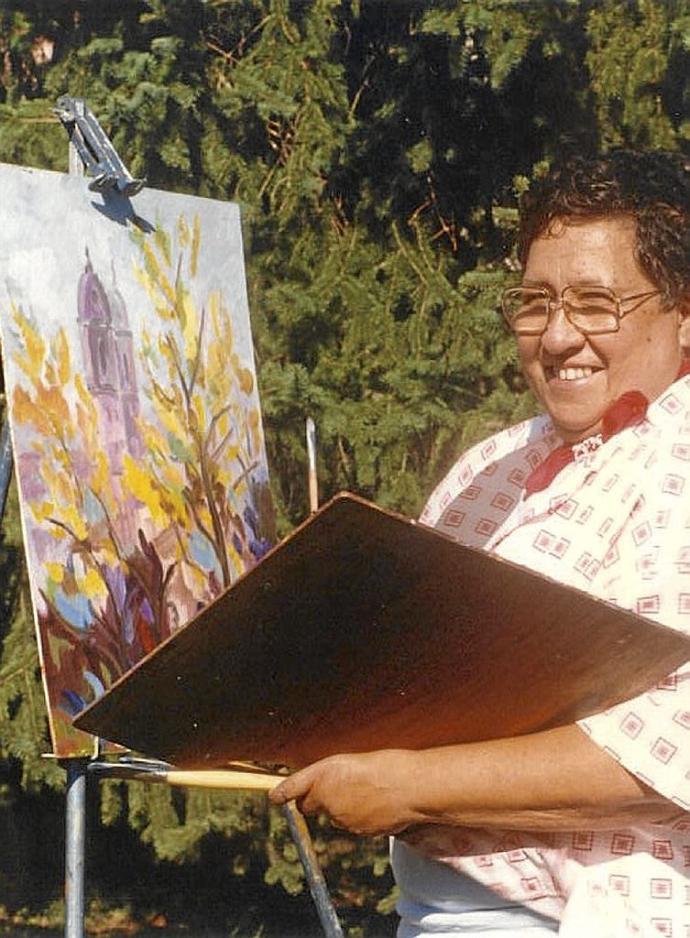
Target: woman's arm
x=553 y=780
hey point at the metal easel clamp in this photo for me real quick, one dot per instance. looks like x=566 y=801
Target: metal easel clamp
x=95 y=149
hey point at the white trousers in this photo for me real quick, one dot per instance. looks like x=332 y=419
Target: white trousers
x=436 y=901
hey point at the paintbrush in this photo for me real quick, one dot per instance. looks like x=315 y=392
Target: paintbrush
x=311 y=459
x=237 y=777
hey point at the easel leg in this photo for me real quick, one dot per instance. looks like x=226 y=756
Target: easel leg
x=312 y=870
x=5 y=465
x=75 y=840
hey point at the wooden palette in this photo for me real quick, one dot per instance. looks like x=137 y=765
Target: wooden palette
x=364 y=630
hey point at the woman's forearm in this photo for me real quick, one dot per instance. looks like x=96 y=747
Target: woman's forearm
x=554 y=780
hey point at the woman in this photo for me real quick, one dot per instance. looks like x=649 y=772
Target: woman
x=581 y=830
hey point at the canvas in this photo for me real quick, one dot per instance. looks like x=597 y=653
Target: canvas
x=135 y=421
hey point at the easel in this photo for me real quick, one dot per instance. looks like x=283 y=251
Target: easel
x=92 y=151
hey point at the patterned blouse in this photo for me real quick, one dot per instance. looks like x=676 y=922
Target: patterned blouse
x=616 y=523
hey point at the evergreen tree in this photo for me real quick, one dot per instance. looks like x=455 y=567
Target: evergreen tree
x=377 y=150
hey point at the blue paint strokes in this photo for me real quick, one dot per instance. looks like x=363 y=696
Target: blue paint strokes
x=72 y=703
x=202 y=552
x=250 y=518
x=92 y=507
x=127 y=626
x=259 y=547
x=94 y=683
x=76 y=609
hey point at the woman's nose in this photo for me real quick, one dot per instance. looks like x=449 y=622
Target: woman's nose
x=560 y=334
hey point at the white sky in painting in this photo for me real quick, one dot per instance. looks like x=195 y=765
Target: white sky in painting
x=49 y=219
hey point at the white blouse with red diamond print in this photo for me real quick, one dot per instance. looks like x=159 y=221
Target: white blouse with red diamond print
x=615 y=523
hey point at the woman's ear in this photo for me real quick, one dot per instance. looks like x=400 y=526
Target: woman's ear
x=683 y=310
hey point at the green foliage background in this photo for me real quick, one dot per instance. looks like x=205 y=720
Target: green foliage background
x=376 y=148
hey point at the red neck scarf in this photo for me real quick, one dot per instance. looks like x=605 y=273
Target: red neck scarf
x=626 y=411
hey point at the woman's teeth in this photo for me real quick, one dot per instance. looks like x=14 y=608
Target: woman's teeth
x=572 y=374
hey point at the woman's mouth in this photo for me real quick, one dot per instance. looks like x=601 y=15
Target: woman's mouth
x=570 y=373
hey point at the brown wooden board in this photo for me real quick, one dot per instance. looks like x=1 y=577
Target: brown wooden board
x=364 y=630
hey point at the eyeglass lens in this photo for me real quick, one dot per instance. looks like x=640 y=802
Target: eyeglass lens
x=589 y=309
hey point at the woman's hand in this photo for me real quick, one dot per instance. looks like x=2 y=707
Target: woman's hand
x=365 y=793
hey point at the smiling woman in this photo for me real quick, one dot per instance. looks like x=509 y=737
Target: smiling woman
x=583 y=830
x=576 y=374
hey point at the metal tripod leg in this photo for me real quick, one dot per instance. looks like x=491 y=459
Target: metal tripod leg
x=5 y=465
x=75 y=840
x=75 y=795
x=312 y=870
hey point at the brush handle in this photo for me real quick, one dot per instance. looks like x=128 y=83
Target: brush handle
x=311 y=460
x=223 y=778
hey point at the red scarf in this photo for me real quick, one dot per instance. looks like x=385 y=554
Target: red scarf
x=626 y=411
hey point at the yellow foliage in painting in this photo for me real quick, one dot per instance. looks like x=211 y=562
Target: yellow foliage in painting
x=190 y=330
x=165 y=347
x=52 y=478
x=235 y=558
x=60 y=351
x=173 y=423
x=165 y=309
x=25 y=411
x=246 y=380
x=199 y=410
x=172 y=478
x=53 y=400
x=50 y=373
x=73 y=520
x=175 y=506
x=190 y=238
x=197 y=445
x=223 y=427
x=86 y=399
x=162 y=240
x=31 y=363
x=221 y=322
x=205 y=516
x=140 y=484
x=55 y=571
x=183 y=233
x=196 y=242
x=255 y=429
x=91 y=585
x=42 y=510
x=100 y=480
x=108 y=556
x=156 y=274
x=154 y=442
x=143 y=278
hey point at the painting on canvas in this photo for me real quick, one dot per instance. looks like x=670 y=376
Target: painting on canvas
x=135 y=421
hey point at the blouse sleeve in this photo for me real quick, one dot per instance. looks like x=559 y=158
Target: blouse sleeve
x=650 y=736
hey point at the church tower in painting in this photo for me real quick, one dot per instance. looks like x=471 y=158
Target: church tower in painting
x=108 y=356
x=127 y=379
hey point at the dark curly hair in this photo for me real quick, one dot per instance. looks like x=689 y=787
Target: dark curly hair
x=653 y=188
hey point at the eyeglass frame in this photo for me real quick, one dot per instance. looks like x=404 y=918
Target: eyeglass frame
x=552 y=303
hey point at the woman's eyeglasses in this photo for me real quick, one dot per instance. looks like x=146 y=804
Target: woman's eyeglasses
x=593 y=310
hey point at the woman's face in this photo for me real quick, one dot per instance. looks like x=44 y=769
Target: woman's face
x=575 y=376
